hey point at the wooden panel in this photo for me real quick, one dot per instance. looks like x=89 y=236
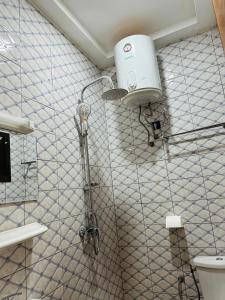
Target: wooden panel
x=219 y=7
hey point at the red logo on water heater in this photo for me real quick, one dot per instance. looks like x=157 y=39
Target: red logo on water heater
x=127 y=47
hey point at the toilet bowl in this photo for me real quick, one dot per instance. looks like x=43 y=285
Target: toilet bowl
x=211 y=271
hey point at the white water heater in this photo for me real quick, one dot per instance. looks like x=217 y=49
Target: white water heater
x=137 y=70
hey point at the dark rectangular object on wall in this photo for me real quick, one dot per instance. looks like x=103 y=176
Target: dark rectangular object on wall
x=5 y=164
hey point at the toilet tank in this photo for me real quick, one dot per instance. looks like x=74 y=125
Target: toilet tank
x=211 y=271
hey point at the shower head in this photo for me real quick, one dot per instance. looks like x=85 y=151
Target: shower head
x=83 y=110
x=114 y=94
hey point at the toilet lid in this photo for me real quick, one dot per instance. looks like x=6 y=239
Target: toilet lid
x=211 y=262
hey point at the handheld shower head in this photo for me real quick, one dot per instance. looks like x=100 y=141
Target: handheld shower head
x=83 y=110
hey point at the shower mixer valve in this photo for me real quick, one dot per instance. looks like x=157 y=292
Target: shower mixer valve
x=91 y=231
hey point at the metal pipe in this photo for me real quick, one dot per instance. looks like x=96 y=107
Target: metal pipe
x=195 y=130
x=88 y=171
x=93 y=82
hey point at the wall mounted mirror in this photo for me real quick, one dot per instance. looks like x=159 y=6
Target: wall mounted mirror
x=18 y=168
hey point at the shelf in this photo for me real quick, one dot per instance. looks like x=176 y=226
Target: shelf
x=20 y=234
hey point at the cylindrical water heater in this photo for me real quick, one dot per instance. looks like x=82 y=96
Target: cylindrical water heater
x=137 y=70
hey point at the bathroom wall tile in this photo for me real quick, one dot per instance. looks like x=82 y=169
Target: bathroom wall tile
x=71 y=202
x=69 y=176
x=122 y=156
x=10 y=77
x=56 y=295
x=136 y=257
x=47 y=175
x=14 y=284
x=124 y=175
x=11 y=216
x=164 y=281
x=133 y=280
x=164 y=296
x=144 y=153
x=219 y=229
x=196 y=235
x=126 y=194
x=174 y=87
x=177 y=124
x=132 y=235
x=133 y=294
x=155 y=171
x=187 y=189
x=49 y=73
x=44 y=277
x=127 y=214
x=73 y=262
x=105 y=176
x=12 y=259
x=184 y=167
x=42 y=116
x=207 y=100
x=69 y=229
x=170 y=66
x=158 y=235
x=164 y=258
x=77 y=286
x=212 y=163
x=11 y=102
x=215 y=186
x=46 y=147
x=44 y=210
x=181 y=146
x=44 y=245
x=103 y=197
x=188 y=254
x=212 y=141
x=207 y=118
x=216 y=209
x=155 y=191
x=193 y=211
x=65 y=126
x=68 y=150
x=156 y=212
x=121 y=139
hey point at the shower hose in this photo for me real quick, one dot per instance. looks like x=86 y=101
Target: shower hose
x=181 y=280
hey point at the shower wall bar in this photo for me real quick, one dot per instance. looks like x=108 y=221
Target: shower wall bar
x=195 y=130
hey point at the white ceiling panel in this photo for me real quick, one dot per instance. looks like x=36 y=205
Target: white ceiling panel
x=96 y=25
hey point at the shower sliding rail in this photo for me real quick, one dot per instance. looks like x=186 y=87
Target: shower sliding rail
x=91 y=228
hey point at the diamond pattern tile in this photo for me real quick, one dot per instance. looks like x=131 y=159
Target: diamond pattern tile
x=187 y=189
x=41 y=78
x=124 y=175
x=126 y=194
x=164 y=258
x=196 y=235
x=156 y=212
x=184 y=167
x=155 y=171
x=192 y=211
x=126 y=214
x=158 y=235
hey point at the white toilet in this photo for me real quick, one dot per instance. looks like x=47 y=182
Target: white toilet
x=211 y=271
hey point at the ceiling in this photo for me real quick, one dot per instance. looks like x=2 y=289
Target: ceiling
x=95 y=26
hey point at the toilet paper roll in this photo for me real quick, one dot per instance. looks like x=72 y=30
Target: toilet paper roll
x=174 y=222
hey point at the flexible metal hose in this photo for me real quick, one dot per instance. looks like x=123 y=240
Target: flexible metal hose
x=195 y=281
